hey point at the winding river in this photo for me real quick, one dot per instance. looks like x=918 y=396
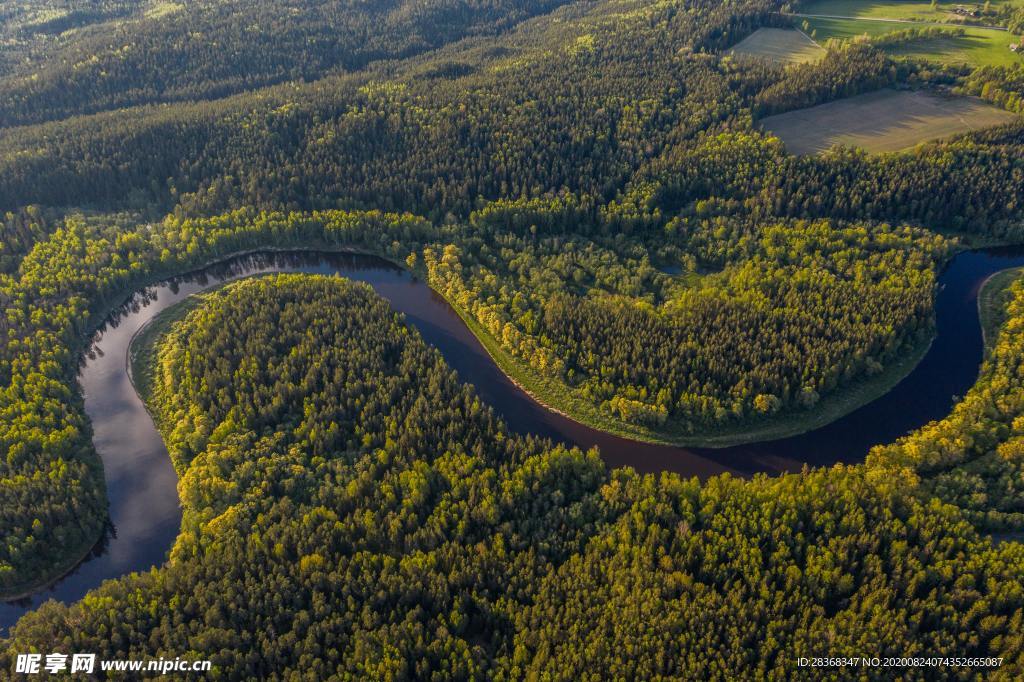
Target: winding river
x=141 y=484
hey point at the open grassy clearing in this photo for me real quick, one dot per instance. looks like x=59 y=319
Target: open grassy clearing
x=977 y=47
x=786 y=46
x=913 y=10
x=883 y=121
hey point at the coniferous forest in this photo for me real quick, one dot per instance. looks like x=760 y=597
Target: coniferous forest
x=589 y=186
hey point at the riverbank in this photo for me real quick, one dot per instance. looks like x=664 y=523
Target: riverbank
x=557 y=397
x=142 y=351
x=101 y=312
x=560 y=399
x=75 y=558
x=992 y=299
x=484 y=364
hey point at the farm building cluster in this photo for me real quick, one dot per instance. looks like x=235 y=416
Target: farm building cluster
x=965 y=11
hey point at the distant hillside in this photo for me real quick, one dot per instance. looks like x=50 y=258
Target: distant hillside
x=68 y=57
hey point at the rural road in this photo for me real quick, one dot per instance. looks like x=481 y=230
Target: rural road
x=892 y=21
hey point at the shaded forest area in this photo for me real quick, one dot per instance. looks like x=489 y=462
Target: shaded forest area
x=87 y=57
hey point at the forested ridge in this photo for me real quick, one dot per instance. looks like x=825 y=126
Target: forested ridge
x=166 y=52
x=578 y=105
x=572 y=183
x=352 y=509
x=529 y=113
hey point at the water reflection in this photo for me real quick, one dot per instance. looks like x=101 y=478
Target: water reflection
x=141 y=484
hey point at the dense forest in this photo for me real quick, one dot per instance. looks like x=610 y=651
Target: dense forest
x=754 y=319
x=352 y=509
x=53 y=503
x=632 y=126
x=588 y=185
x=165 y=51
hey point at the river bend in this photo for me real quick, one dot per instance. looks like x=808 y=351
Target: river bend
x=145 y=515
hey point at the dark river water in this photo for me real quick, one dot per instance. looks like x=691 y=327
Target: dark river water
x=141 y=484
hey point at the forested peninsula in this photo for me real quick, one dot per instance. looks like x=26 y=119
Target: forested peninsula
x=590 y=186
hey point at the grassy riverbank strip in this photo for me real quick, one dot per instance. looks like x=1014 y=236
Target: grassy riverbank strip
x=142 y=349
x=992 y=299
x=559 y=398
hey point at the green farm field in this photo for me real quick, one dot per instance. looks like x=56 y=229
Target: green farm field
x=912 y=10
x=978 y=47
x=787 y=46
x=847 y=19
x=883 y=121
